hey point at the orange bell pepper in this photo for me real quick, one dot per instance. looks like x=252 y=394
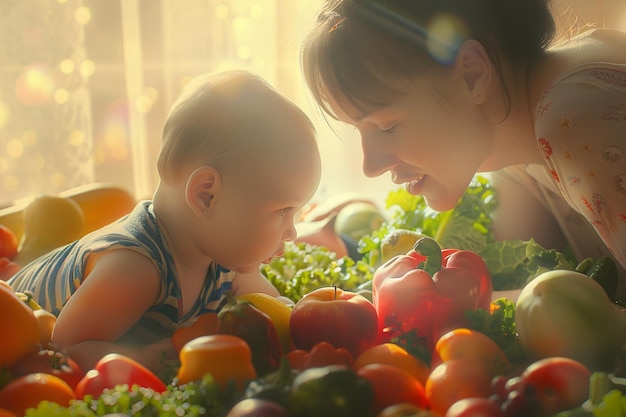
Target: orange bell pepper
x=226 y=357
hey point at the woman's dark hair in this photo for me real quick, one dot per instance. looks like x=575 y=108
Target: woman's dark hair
x=364 y=50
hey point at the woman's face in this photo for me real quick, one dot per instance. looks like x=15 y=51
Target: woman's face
x=432 y=139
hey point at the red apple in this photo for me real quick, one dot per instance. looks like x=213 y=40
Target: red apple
x=342 y=318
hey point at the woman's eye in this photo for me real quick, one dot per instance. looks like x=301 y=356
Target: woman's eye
x=283 y=212
x=389 y=130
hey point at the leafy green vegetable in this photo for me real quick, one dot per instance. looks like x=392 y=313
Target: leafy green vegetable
x=514 y=263
x=499 y=325
x=200 y=398
x=303 y=268
x=468 y=226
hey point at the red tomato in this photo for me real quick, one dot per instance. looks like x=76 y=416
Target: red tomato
x=474 y=407
x=50 y=362
x=392 y=385
x=8 y=243
x=558 y=383
x=115 y=369
x=29 y=390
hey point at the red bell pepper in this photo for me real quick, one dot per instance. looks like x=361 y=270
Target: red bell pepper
x=322 y=354
x=429 y=290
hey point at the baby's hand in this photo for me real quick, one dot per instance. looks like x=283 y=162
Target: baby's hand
x=160 y=357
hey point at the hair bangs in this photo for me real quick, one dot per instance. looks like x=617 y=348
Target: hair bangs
x=344 y=64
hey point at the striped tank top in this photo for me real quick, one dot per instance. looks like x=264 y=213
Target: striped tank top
x=54 y=277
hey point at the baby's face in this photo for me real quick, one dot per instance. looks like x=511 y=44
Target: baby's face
x=261 y=198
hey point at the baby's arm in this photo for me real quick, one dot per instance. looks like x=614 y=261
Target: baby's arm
x=253 y=282
x=119 y=289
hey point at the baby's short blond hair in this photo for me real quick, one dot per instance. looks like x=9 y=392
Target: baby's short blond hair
x=220 y=118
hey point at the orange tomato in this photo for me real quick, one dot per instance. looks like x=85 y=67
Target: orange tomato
x=226 y=357
x=205 y=324
x=392 y=385
x=29 y=390
x=19 y=330
x=45 y=322
x=456 y=379
x=472 y=346
x=394 y=354
x=7 y=413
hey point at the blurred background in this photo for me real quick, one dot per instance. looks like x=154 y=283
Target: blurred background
x=85 y=85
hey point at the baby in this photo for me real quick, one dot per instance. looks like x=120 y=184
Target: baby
x=238 y=160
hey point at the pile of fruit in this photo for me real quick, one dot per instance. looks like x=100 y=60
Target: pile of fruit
x=417 y=332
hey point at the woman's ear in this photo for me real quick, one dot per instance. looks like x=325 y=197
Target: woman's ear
x=203 y=185
x=474 y=67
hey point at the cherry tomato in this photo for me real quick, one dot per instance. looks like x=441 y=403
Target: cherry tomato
x=392 y=385
x=8 y=243
x=51 y=362
x=454 y=380
x=29 y=390
x=474 y=407
x=115 y=369
x=558 y=383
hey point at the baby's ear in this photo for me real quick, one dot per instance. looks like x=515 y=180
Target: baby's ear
x=474 y=66
x=202 y=186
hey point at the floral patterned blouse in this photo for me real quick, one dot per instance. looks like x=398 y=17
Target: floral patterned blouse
x=581 y=130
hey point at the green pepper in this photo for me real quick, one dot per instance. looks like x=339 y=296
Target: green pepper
x=274 y=386
x=330 y=391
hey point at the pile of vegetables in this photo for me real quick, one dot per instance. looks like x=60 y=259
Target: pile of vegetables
x=419 y=335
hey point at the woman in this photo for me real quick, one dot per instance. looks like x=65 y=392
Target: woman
x=442 y=90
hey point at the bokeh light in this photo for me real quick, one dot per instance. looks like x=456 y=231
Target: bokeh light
x=222 y=12
x=83 y=15
x=113 y=139
x=445 y=35
x=14 y=148
x=34 y=85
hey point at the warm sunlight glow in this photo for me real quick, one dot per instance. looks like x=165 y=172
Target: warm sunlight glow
x=87 y=68
x=29 y=138
x=257 y=10
x=15 y=148
x=76 y=138
x=222 y=12
x=83 y=15
x=10 y=183
x=61 y=96
x=34 y=86
x=57 y=180
x=67 y=66
x=5 y=114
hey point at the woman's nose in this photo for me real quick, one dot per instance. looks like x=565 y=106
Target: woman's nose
x=376 y=157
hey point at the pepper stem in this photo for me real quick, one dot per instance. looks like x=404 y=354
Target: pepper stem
x=432 y=251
